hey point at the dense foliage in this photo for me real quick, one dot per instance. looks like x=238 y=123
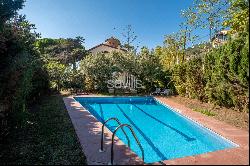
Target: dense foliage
x=66 y=51
x=22 y=75
x=9 y=8
x=227 y=74
x=221 y=76
x=98 y=69
x=30 y=66
x=188 y=79
x=61 y=57
x=150 y=70
x=206 y=14
x=238 y=17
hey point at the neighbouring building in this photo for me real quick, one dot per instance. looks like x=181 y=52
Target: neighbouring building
x=111 y=44
x=220 y=38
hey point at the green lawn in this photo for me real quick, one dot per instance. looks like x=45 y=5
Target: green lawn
x=48 y=137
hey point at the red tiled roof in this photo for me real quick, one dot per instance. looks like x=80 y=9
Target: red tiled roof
x=107 y=46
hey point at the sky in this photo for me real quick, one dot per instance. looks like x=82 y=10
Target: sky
x=97 y=20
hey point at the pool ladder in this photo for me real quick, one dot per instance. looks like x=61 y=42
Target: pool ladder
x=113 y=136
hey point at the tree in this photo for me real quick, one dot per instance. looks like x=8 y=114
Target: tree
x=238 y=16
x=149 y=70
x=129 y=37
x=56 y=73
x=227 y=74
x=8 y=9
x=186 y=31
x=97 y=70
x=67 y=51
x=76 y=51
x=206 y=14
x=20 y=63
x=172 y=51
x=59 y=55
x=123 y=62
x=198 y=50
x=224 y=78
x=73 y=80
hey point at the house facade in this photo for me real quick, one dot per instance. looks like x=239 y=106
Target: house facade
x=110 y=44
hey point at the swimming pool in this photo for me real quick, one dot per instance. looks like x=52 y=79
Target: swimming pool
x=164 y=133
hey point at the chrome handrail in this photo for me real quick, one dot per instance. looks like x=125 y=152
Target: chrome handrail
x=102 y=138
x=133 y=133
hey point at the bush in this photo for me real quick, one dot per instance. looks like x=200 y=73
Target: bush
x=98 y=69
x=22 y=76
x=189 y=80
x=226 y=73
x=150 y=70
x=179 y=79
x=221 y=76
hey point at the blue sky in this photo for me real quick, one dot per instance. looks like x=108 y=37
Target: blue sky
x=95 y=20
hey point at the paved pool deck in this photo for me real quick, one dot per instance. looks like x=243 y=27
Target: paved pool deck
x=88 y=130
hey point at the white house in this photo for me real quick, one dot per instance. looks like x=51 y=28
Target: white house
x=111 y=44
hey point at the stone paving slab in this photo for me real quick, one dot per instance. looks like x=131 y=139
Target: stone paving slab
x=88 y=130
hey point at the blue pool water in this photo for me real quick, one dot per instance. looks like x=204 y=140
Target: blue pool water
x=164 y=133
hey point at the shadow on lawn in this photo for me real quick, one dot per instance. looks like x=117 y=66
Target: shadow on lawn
x=46 y=137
